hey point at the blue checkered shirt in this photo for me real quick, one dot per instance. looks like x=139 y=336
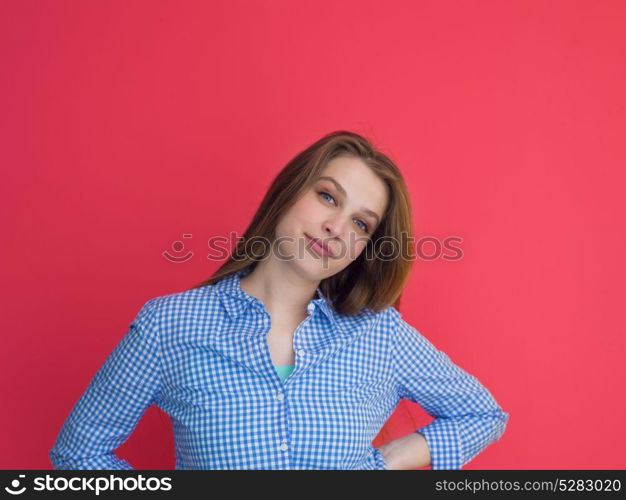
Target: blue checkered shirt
x=202 y=357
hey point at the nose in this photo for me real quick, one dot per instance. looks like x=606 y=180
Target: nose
x=334 y=227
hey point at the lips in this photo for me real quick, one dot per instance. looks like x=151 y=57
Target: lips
x=319 y=246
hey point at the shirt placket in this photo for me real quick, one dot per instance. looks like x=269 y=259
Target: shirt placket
x=280 y=388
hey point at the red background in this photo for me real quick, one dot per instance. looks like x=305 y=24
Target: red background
x=125 y=125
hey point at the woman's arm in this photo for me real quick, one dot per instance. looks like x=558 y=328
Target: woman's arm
x=407 y=453
x=114 y=402
x=467 y=417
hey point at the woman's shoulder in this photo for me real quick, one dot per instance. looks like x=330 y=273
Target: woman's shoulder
x=369 y=319
x=193 y=303
x=388 y=321
x=386 y=314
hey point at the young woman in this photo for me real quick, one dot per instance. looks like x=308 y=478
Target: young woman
x=293 y=354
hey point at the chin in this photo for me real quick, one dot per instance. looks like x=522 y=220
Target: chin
x=313 y=269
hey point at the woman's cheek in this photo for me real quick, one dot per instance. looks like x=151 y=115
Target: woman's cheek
x=356 y=251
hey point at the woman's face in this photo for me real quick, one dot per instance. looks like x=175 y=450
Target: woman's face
x=343 y=208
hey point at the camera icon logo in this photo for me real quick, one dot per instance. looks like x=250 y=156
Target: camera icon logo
x=15 y=484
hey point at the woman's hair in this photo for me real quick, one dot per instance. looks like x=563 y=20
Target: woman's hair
x=372 y=282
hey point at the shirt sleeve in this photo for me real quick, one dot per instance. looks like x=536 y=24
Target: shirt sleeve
x=111 y=407
x=467 y=417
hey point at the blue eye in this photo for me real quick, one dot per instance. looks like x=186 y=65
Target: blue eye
x=325 y=193
x=365 y=228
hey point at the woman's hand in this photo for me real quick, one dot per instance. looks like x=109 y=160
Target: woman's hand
x=406 y=453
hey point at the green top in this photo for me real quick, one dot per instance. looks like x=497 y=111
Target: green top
x=284 y=371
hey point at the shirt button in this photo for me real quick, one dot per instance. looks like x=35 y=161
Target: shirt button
x=280 y=396
x=301 y=352
x=283 y=447
x=310 y=308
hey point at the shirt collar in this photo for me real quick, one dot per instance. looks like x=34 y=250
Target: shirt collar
x=236 y=301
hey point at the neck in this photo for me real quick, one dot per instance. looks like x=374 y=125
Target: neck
x=279 y=287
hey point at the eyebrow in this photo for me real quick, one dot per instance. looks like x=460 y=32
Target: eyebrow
x=343 y=192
